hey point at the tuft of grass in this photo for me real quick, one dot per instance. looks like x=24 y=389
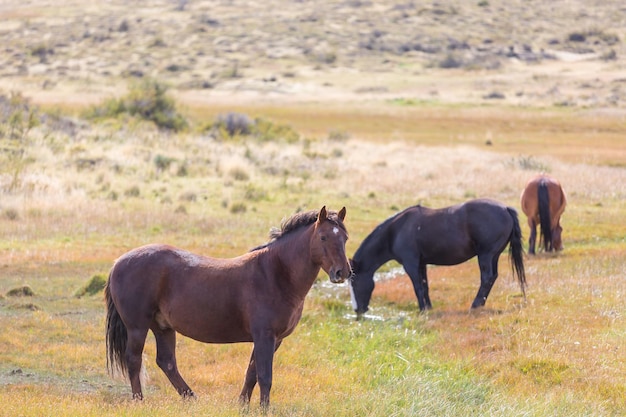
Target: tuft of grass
x=239 y=174
x=163 y=163
x=528 y=163
x=23 y=291
x=94 y=286
x=133 y=191
x=11 y=213
x=238 y=208
x=25 y=306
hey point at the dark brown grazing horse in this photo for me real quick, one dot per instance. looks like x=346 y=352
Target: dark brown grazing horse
x=543 y=201
x=257 y=297
x=419 y=236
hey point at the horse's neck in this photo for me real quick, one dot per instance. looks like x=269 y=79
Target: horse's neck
x=373 y=252
x=294 y=266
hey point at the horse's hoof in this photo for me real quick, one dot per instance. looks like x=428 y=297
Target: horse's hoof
x=189 y=395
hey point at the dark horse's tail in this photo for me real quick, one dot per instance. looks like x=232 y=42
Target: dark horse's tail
x=544 y=216
x=516 y=252
x=116 y=335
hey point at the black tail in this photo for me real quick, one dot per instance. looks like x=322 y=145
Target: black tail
x=116 y=336
x=544 y=216
x=516 y=251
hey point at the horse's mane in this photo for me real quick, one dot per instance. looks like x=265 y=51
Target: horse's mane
x=378 y=229
x=295 y=222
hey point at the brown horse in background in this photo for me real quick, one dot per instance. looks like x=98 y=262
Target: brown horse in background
x=256 y=297
x=543 y=201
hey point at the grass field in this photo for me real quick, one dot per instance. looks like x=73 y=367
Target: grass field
x=560 y=353
x=376 y=130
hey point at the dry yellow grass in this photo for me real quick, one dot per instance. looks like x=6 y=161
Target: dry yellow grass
x=564 y=340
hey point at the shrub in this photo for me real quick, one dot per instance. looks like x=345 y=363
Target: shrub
x=494 y=95
x=147 y=100
x=17 y=118
x=528 y=163
x=189 y=196
x=266 y=131
x=450 y=61
x=255 y=194
x=577 y=37
x=11 y=214
x=132 y=191
x=233 y=124
x=338 y=136
x=163 y=162
x=239 y=174
x=238 y=208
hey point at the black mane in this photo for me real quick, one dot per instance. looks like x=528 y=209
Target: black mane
x=382 y=226
x=297 y=221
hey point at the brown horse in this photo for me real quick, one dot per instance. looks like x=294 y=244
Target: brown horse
x=543 y=201
x=257 y=297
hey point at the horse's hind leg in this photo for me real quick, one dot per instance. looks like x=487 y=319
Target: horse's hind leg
x=533 y=236
x=488 y=274
x=166 y=360
x=134 y=350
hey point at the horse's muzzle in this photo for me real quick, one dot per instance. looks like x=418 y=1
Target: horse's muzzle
x=337 y=276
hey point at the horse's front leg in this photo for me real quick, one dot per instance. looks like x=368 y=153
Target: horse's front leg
x=424 y=277
x=264 y=348
x=417 y=273
x=249 y=382
x=260 y=369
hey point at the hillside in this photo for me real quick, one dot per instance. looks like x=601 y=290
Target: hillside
x=570 y=53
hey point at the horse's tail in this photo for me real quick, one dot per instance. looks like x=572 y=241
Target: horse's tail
x=116 y=335
x=516 y=251
x=544 y=216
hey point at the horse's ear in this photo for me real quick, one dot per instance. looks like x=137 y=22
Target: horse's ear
x=342 y=214
x=323 y=215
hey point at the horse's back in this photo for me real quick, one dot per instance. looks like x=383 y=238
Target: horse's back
x=461 y=217
x=487 y=220
x=141 y=262
x=138 y=274
x=451 y=235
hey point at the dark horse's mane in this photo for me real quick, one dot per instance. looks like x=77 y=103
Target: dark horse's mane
x=297 y=221
x=379 y=228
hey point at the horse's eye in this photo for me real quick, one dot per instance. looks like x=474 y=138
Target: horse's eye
x=323 y=238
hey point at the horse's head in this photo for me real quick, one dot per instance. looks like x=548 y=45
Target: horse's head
x=328 y=244
x=557 y=243
x=361 y=288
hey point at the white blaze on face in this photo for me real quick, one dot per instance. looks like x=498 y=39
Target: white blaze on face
x=335 y=230
x=352 y=297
